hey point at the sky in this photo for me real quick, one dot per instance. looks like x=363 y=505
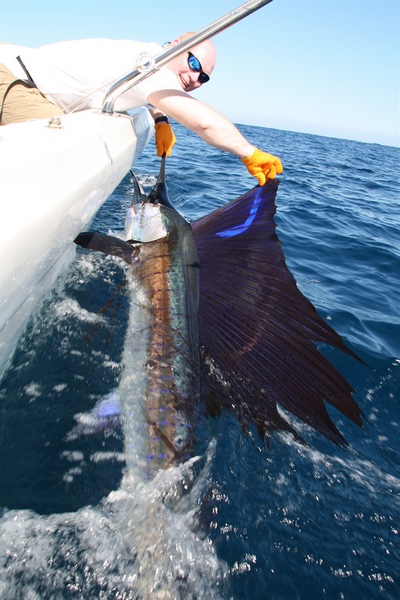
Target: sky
x=326 y=67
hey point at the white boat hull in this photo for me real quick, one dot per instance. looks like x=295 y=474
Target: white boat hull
x=53 y=180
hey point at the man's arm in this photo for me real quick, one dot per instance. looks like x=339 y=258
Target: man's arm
x=207 y=123
x=155 y=113
x=217 y=131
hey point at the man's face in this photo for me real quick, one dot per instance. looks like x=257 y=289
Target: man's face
x=189 y=79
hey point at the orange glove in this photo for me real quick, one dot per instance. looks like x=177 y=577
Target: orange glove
x=165 y=137
x=262 y=166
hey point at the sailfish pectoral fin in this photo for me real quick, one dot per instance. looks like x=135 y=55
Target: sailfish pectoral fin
x=257 y=329
x=108 y=244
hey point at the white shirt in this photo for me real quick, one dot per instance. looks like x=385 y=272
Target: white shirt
x=79 y=73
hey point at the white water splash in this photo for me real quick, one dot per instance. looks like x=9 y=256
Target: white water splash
x=141 y=543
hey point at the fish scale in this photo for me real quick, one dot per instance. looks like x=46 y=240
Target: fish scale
x=171 y=371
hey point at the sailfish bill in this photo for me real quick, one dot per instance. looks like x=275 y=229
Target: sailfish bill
x=239 y=321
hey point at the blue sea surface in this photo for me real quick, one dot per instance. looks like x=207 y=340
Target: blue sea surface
x=248 y=519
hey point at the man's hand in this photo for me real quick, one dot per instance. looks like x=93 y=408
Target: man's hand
x=165 y=138
x=263 y=166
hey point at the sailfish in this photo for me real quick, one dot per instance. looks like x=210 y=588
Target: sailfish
x=216 y=320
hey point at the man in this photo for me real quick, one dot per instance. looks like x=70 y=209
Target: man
x=76 y=75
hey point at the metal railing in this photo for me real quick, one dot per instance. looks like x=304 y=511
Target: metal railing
x=148 y=64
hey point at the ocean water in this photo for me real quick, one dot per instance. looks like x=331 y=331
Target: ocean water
x=243 y=519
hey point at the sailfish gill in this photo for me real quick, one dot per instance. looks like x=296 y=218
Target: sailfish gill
x=239 y=321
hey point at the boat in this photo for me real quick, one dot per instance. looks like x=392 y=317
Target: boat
x=55 y=174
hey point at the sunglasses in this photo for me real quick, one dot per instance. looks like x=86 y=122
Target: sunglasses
x=195 y=66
